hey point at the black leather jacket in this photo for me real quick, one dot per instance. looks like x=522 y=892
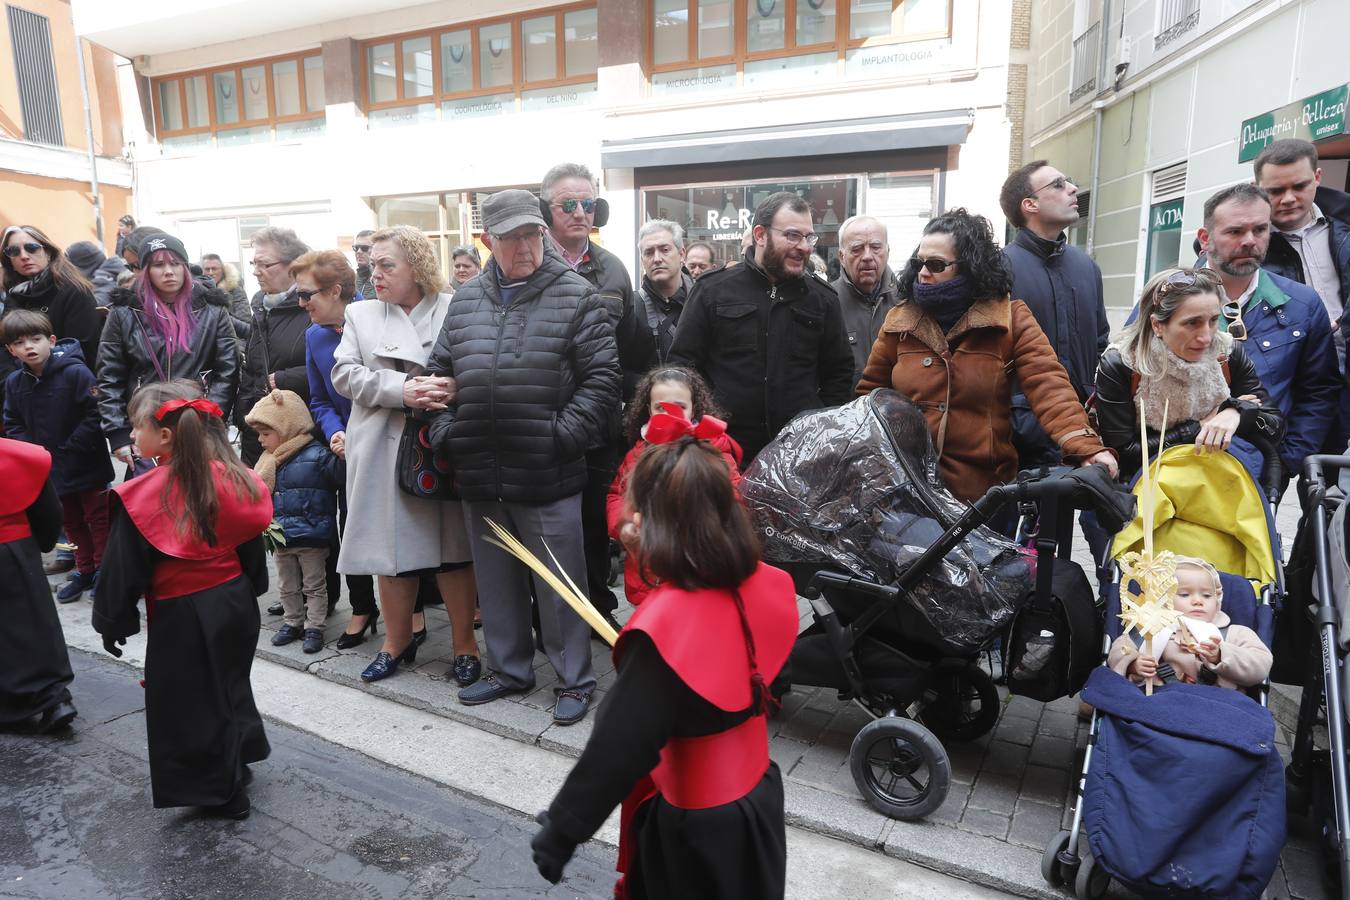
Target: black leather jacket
x=1118 y=416
x=125 y=359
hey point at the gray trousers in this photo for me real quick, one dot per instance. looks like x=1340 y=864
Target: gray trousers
x=302 y=582
x=504 y=590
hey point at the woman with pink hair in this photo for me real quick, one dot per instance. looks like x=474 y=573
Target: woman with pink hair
x=165 y=326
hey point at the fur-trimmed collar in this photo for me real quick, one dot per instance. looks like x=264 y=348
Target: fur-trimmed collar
x=201 y=297
x=908 y=317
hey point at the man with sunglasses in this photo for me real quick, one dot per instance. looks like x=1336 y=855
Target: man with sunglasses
x=361 y=249
x=1288 y=331
x=571 y=210
x=767 y=334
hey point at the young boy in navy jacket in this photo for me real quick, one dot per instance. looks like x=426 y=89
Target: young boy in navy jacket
x=52 y=400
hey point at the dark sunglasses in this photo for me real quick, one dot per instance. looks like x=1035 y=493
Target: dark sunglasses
x=932 y=264
x=1183 y=279
x=306 y=296
x=362 y=248
x=14 y=250
x=570 y=206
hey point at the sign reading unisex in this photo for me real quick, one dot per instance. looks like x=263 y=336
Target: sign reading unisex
x=1313 y=118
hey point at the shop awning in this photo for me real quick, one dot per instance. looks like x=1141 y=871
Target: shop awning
x=904 y=132
x=1320 y=118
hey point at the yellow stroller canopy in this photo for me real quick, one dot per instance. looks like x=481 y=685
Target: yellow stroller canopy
x=1208 y=506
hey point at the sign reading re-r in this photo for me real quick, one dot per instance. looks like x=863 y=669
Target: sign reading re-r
x=717 y=220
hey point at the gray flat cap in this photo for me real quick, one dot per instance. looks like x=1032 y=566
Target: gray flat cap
x=505 y=211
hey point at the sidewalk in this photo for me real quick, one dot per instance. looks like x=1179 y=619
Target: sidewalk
x=1012 y=789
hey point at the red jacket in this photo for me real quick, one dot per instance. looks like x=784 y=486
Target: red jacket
x=617 y=512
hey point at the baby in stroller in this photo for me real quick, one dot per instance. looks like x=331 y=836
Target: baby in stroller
x=1205 y=647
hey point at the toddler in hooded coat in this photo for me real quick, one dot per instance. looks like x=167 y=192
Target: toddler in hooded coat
x=304 y=477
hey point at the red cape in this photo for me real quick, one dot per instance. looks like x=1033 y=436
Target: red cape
x=24 y=468
x=160 y=518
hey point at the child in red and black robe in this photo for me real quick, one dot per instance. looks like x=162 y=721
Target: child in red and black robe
x=35 y=674
x=187 y=536
x=682 y=739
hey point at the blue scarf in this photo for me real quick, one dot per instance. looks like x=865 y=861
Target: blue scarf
x=945 y=302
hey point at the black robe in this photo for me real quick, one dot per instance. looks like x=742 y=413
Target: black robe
x=737 y=850
x=34 y=666
x=202 y=726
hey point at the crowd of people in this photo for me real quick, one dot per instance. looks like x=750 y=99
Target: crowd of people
x=390 y=416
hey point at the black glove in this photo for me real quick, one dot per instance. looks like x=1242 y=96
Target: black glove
x=111 y=644
x=551 y=849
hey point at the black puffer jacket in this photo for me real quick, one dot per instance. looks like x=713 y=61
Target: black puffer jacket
x=637 y=350
x=125 y=361
x=276 y=345
x=769 y=351
x=1118 y=413
x=536 y=380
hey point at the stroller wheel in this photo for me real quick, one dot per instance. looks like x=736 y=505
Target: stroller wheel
x=1092 y=880
x=961 y=705
x=900 y=769
x=1052 y=869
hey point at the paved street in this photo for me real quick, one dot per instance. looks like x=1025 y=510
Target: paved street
x=76 y=821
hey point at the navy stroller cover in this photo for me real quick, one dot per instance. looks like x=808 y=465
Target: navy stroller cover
x=1212 y=826
x=856 y=488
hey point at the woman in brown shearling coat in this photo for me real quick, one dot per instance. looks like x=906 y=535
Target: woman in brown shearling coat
x=956 y=346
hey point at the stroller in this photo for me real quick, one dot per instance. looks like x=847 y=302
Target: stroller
x=906 y=585
x=1215 y=828
x=1317 y=779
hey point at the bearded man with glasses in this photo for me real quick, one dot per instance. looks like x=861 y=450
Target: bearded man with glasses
x=767 y=335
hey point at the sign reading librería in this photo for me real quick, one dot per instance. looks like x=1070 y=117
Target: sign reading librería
x=1313 y=118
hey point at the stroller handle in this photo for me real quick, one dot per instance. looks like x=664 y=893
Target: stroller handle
x=1272 y=470
x=825 y=578
x=1314 y=466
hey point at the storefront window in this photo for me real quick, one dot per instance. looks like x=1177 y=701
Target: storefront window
x=540 y=46
x=238 y=104
x=1164 y=236
x=456 y=74
x=815 y=22
x=766 y=25
x=670 y=31
x=417 y=67
x=582 y=42
x=720 y=213
x=494 y=55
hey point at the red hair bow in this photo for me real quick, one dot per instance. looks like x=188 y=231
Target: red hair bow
x=201 y=405
x=672 y=425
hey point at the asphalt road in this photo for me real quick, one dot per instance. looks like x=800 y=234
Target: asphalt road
x=76 y=821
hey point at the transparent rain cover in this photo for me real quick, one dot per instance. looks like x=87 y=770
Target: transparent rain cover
x=856 y=487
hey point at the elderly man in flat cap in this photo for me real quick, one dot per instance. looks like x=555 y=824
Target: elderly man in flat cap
x=533 y=355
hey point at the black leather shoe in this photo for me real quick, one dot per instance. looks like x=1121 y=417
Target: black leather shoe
x=275 y=609
x=487 y=689
x=571 y=707
x=348 y=640
x=237 y=808
x=57 y=717
x=386 y=664
x=468 y=669
x=313 y=640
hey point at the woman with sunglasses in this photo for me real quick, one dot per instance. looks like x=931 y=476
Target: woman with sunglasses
x=165 y=327
x=39 y=277
x=956 y=345
x=1173 y=359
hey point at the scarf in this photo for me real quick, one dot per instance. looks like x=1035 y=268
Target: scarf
x=271 y=460
x=945 y=302
x=37 y=287
x=1189 y=390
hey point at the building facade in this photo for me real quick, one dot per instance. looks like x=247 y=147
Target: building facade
x=335 y=116
x=1154 y=105
x=45 y=161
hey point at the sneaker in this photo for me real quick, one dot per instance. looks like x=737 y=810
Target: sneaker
x=64 y=560
x=313 y=640
x=75 y=587
x=285 y=635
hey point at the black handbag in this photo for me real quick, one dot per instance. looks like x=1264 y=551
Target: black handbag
x=423 y=471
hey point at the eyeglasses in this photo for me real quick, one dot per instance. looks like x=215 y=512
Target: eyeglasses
x=934 y=264
x=264 y=265
x=570 y=206
x=1058 y=184
x=306 y=296
x=362 y=248
x=30 y=248
x=518 y=237
x=856 y=247
x=795 y=237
